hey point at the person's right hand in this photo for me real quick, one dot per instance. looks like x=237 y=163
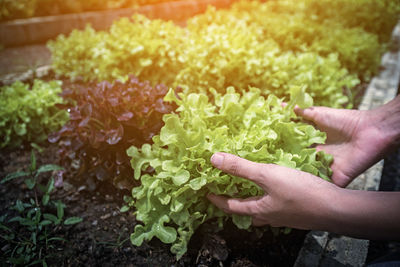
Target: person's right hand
x=354 y=138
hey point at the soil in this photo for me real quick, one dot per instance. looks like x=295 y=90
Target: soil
x=102 y=238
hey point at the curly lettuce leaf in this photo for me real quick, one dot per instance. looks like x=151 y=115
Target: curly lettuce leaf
x=171 y=203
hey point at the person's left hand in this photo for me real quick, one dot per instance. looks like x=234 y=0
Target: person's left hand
x=292 y=198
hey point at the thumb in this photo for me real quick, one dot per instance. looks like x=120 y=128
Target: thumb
x=322 y=116
x=237 y=166
x=307 y=113
x=325 y=118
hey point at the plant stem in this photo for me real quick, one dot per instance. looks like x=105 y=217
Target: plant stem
x=37 y=206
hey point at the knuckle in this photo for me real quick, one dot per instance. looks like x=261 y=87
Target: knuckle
x=233 y=167
x=315 y=116
x=267 y=171
x=252 y=209
x=230 y=206
x=261 y=171
x=258 y=208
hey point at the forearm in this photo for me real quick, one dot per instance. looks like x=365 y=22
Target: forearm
x=363 y=214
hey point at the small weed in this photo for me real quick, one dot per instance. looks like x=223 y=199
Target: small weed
x=117 y=244
x=33 y=242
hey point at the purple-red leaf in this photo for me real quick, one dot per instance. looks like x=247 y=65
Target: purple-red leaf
x=105 y=120
x=115 y=135
x=53 y=137
x=113 y=101
x=125 y=116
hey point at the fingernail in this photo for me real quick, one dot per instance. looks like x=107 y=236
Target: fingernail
x=217 y=160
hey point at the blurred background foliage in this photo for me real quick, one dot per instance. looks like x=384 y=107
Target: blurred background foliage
x=17 y=9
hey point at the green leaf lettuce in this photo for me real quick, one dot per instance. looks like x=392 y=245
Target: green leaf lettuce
x=172 y=201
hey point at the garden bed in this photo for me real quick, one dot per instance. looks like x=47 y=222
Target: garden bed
x=103 y=236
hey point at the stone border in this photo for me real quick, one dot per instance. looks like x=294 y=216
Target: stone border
x=326 y=249
x=26 y=76
x=41 y=29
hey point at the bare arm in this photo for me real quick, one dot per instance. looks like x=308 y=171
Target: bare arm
x=366 y=214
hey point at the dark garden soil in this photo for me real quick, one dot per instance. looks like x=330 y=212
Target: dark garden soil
x=102 y=239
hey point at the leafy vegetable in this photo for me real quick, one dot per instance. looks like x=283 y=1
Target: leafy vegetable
x=328 y=46
x=145 y=48
x=297 y=29
x=29 y=115
x=106 y=120
x=232 y=55
x=375 y=16
x=172 y=202
x=199 y=57
x=11 y=9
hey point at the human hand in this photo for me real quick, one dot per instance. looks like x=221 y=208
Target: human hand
x=292 y=198
x=354 y=139
x=301 y=200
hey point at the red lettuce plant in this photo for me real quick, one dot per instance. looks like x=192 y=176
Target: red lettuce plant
x=105 y=120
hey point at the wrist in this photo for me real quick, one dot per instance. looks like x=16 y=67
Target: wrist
x=365 y=214
x=326 y=214
x=342 y=212
x=339 y=212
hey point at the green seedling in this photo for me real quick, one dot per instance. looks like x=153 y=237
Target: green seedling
x=33 y=241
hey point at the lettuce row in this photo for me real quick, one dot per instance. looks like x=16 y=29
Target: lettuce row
x=358 y=50
x=196 y=59
x=374 y=16
x=28 y=115
x=324 y=44
x=172 y=202
x=240 y=59
x=148 y=49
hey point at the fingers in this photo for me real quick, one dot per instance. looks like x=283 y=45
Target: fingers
x=307 y=113
x=284 y=104
x=320 y=115
x=328 y=120
x=240 y=167
x=247 y=206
